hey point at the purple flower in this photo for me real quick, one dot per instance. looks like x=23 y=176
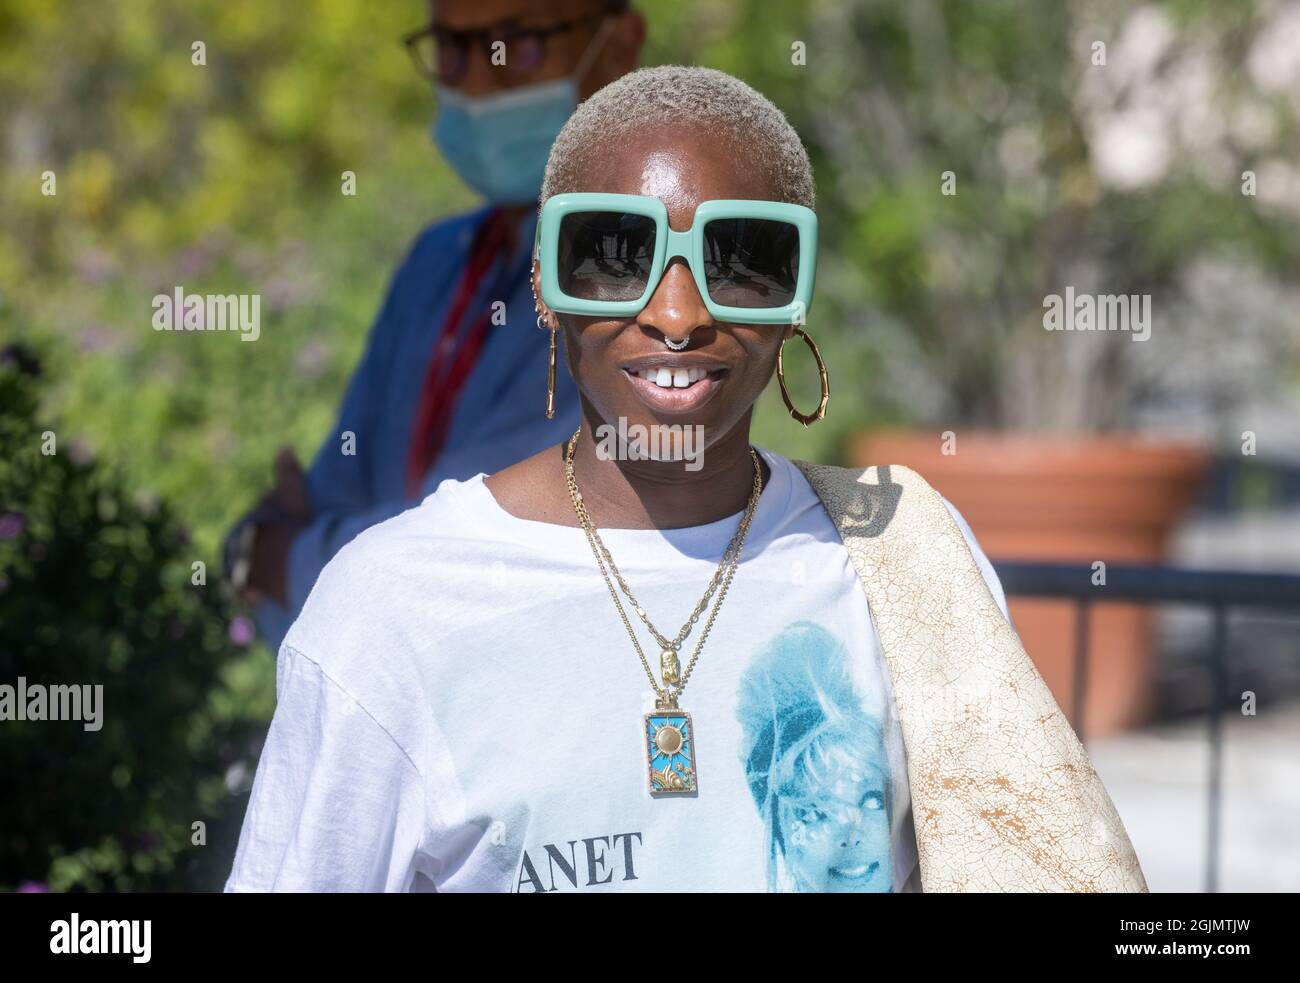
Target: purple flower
x=311 y=359
x=11 y=525
x=80 y=453
x=33 y=887
x=100 y=338
x=194 y=262
x=22 y=357
x=94 y=266
x=241 y=631
x=282 y=292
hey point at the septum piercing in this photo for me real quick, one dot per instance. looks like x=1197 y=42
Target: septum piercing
x=674 y=345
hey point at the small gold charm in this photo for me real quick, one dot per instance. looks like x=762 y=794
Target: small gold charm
x=669 y=667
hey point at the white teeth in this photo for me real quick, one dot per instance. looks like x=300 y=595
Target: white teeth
x=672 y=378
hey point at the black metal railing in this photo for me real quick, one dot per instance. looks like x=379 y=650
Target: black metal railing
x=1219 y=591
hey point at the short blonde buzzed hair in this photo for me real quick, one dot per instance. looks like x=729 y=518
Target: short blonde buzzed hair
x=682 y=95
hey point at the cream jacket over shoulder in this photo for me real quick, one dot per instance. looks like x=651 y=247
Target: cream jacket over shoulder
x=1004 y=796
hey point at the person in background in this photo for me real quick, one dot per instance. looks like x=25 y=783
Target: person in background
x=450 y=384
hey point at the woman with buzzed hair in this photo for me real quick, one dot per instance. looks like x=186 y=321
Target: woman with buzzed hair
x=656 y=657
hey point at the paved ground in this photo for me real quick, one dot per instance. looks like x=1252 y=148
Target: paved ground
x=1158 y=778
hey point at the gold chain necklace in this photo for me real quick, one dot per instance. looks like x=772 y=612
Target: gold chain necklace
x=669 y=735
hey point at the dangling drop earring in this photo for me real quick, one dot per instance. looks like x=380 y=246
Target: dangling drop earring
x=550 y=378
x=550 y=365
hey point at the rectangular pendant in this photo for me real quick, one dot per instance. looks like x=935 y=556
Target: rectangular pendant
x=669 y=739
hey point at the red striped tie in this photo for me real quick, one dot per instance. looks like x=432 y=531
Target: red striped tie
x=443 y=382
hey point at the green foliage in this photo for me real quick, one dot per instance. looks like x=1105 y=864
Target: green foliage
x=929 y=306
x=222 y=178
x=96 y=590
x=1006 y=98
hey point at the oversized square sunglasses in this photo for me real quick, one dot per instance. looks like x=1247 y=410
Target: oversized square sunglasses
x=604 y=255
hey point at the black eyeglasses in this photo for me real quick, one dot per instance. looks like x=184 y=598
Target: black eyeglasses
x=443 y=52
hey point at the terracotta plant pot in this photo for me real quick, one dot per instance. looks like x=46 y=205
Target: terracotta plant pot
x=1069 y=500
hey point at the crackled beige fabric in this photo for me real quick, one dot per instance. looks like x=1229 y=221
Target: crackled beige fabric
x=1004 y=796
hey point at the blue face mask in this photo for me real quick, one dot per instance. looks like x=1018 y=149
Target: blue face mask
x=499 y=144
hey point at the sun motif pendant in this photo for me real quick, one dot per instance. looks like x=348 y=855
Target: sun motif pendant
x=670 y=752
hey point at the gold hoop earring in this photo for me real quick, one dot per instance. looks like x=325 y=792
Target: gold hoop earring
x=804 y=418
x=550 y=380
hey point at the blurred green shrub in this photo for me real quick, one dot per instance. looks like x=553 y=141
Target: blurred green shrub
x=97 y=588
x=224 y=177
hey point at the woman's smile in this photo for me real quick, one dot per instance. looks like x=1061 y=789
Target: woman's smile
x=674 y=385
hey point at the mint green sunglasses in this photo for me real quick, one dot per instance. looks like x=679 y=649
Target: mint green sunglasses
x=604 y=255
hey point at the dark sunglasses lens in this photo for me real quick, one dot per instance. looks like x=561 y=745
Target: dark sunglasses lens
x=605 y=255
x=751 y=262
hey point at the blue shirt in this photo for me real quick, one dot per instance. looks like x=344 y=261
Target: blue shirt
x=500 y=417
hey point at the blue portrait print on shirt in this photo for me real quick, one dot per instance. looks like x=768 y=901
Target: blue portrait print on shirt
x=816 y=765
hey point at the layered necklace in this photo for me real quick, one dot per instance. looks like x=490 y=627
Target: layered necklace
x=668 y=735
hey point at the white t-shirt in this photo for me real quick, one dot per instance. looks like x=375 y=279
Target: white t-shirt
x=461 y=709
